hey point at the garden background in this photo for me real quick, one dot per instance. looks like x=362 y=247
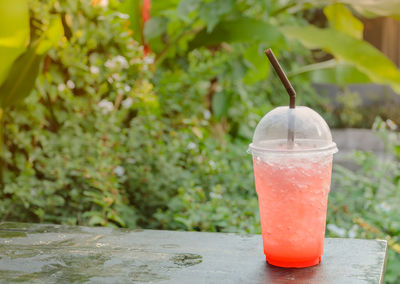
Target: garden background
x=139 y=114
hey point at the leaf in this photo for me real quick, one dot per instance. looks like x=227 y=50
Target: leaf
x=51 y=35
x=315 y=66
x=397 y=151
x=96 y=220
x=341 y=74
x=258 y=69
x=376 y=8
x=341 y=19
x=334 y=72
x=357 y=53
x=161 y=7
x=238 y=30
x=25 y=69
x=117 y=219
x=211 y=12
x=14 y=33
x=21 y=78
x=186 y=7
x=197 y=132
x=219 y=105
x=155 y=27
x=132 y=8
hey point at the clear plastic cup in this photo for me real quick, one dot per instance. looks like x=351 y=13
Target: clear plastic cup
x=292 y=183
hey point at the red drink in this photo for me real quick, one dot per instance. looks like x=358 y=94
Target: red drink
x=292 y=156
x=293 y=194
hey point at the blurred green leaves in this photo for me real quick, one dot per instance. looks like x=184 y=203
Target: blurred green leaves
x=22 y=76
x=155 y=27
x=239 y=30
x=196 y=24
x=255 y=58
x=68 y=142
x=212 y=12
x=20 y=79
x=376 y=8
x=347 y=49
x=104 y=139
x=187 y=7
x=133 y=9
x=339 y=73
x=14 y=33
x=220 y=104
x=52 y=34
x=341 y=19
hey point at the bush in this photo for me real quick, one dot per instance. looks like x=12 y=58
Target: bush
x=91 y=144
x=364 y=203
x=64 y=145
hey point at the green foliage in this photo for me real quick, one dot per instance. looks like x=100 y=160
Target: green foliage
x=374 y=9
x=334 y=72
x=132 y=9
x=238 y=30
x=348 y=111
x=61 y=146
x=186 y=25
x=21 y=78
x=364 y=203
x=347 y=48
x=341 y=19
x=111 y=137
x=14 y=33
x=22 y=74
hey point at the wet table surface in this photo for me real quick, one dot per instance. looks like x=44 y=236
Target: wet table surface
x=34 y=253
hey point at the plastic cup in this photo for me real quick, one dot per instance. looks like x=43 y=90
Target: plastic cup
x=292 y=184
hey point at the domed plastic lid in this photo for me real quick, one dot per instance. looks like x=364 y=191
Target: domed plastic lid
x=310 y=131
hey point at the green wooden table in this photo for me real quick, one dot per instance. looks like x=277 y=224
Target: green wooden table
x=34 y=253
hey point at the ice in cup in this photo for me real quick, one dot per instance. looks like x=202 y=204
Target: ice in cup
x=292 y=182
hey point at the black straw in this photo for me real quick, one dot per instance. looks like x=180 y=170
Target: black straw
x=285 y=81
x=290 y=90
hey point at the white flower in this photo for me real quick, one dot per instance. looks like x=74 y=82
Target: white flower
x=110 y=80
x=61 y=87
x=116 y=76
x=148 y=60
x=121 y=61
x=103 y=3
x=131 y=161
x=136 y=61
x=336 y=230
x=117 y=61
x=384 y=206
x=127 y=88
x=212 y=164
x=106 y=106
x=109 y=63
x=192 y=146
x=206 y=114
x=94 y=69
x=215 y=195
x=70 y=84
x=127 y=103
x=119 y=171
x=122 y=15
x=391 y=124
x=353 y=231
x=218 y=88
